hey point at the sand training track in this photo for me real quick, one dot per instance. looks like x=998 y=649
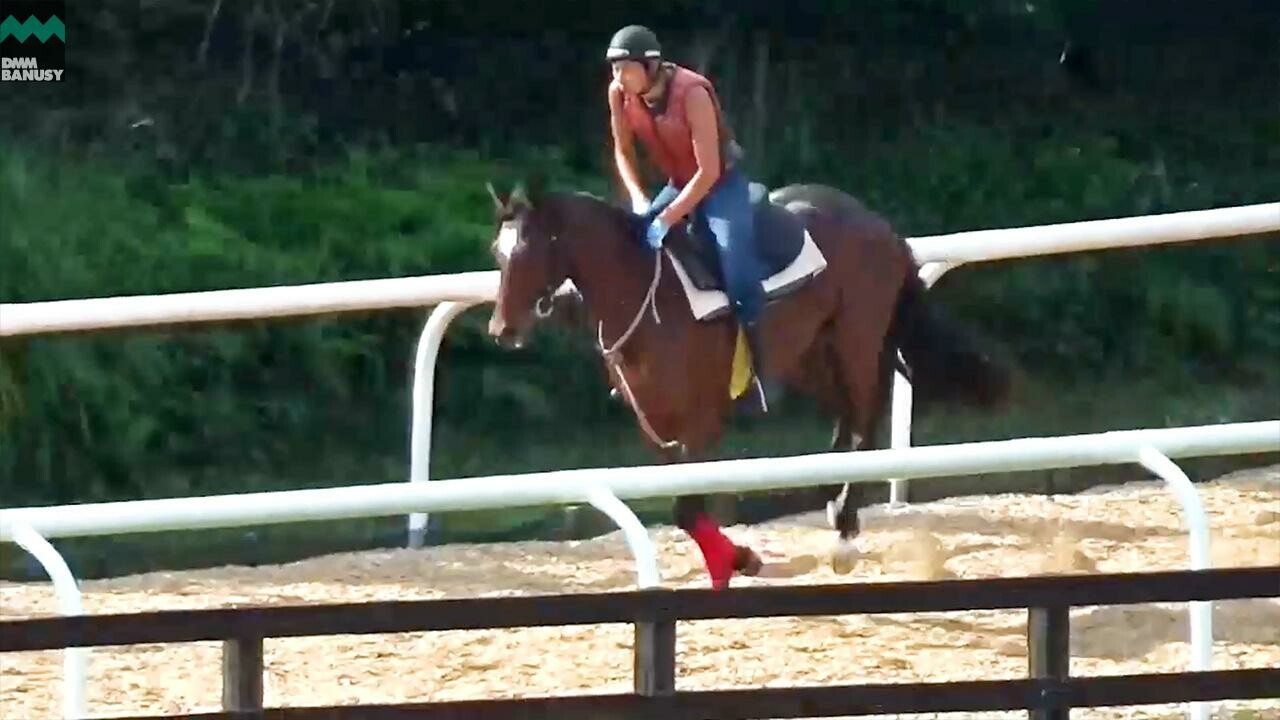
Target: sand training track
x=1132 y=527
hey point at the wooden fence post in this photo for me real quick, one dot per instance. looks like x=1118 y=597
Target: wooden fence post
x=242 y=674
x=1049 y=655
x=655 y=658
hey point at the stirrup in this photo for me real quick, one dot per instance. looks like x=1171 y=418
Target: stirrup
x=756 y=346
x=764 y=399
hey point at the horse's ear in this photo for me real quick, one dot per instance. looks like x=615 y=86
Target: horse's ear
x=536 y=188
x=520 y=197
x=500 y=203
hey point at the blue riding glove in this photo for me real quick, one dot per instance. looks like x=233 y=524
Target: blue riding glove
x=655 y=232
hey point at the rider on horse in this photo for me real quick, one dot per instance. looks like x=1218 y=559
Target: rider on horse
x=677 y=117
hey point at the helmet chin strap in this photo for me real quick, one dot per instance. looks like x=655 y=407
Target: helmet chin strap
x=653 y=74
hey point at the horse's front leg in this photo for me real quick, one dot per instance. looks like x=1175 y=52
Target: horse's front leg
x=722 y=557
x=698 y=429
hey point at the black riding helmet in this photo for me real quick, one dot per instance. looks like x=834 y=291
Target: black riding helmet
x=634 y=42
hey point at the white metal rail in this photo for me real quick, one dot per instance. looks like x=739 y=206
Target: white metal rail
x=644 y=481
x=361 y=295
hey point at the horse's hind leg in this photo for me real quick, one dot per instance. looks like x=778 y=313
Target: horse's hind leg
x=841 y=441
x=842 y=508
x=864 y=379
x=823 y=376
x=818 y=375
x=825 y=370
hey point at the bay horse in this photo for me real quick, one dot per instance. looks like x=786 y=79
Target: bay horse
x=836 y=336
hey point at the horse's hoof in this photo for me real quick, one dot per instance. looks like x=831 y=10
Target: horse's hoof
x=844 y=557
x=793 y=567
x=746 y=561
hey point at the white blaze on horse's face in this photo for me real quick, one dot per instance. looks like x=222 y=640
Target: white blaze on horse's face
x=522 y=294
x=508 y=238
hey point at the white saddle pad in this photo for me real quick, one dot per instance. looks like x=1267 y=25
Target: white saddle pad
x=711 y=304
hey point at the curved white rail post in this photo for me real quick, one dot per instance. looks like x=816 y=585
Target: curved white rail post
x=900 y=417
x=74 y=660
x=900 y=432
x=424 y=384
x=603 y=499
x=1201 y=612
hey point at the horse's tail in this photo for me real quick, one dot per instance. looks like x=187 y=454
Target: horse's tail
x=944 y=360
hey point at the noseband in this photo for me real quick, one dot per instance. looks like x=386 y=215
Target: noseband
x=545 y=304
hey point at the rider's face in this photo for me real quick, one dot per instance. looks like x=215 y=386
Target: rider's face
x=631 y=75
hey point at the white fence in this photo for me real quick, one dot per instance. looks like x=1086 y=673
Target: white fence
x=453 y=294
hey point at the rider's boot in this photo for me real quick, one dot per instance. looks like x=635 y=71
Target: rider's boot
x=766 y=387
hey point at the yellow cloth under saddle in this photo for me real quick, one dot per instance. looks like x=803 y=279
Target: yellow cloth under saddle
x=740 y=376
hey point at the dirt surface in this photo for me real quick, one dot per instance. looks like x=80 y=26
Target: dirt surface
x=1127 y=528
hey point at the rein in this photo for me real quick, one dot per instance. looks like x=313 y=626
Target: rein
x=610 y=354
x=647 y=304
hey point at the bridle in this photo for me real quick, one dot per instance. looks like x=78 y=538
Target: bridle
x=545 y=305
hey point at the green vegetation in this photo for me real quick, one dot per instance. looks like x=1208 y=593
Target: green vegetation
x=361 y=149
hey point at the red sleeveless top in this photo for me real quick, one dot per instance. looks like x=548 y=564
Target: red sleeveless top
x=667 y=135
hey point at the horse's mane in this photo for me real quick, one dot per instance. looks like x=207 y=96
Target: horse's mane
x=589 y=194
x=614 y=209
x=594 y=213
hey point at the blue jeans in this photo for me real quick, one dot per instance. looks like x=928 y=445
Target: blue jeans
x=725 y=214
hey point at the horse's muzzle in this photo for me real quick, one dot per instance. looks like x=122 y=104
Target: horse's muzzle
x=509 y=341
x=504 y=335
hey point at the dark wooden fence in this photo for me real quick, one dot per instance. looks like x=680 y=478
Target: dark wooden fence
x=1047 y=693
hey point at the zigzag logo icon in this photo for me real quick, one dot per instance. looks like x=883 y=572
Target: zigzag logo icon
x=32 y=26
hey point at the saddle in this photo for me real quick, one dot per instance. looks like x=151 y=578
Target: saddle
x=779 y=236
x=787 y=254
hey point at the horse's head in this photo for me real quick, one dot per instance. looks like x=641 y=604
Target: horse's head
x=532 y=263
